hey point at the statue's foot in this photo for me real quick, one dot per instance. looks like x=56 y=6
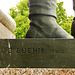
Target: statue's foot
x=43 y=26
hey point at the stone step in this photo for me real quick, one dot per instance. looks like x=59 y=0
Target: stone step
x=6 y=33
x=37 y=53
x=7 y=21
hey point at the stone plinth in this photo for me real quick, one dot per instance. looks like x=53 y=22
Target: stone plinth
x=37 y=53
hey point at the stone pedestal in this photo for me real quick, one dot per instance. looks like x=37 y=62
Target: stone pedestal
x=37 y=53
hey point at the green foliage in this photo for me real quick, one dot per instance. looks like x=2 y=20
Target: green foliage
x=20 y=15
x=62 y=19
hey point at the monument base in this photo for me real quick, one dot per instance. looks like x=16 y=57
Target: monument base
x=37 y=53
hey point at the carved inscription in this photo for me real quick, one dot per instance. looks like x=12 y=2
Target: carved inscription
x=22 y=50
x=29 y=50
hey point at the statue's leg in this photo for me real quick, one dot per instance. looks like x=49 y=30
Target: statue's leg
x=73 y=28
x=73 y=22
x=43 y=20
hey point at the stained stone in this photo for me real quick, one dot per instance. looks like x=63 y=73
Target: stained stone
x=7 y=21
x=37 y=53
x=5 y=33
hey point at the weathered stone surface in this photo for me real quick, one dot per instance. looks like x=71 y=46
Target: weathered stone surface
x=5 y=33
x=37 y=53
x=7 y=21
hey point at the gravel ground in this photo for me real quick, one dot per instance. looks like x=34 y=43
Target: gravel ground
x=36 y=71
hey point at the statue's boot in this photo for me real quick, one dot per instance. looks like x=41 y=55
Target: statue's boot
x=43 y=20
x=73 y=28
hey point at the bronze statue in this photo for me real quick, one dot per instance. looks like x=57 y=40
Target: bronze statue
x=42 y=14
x=73 y=23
